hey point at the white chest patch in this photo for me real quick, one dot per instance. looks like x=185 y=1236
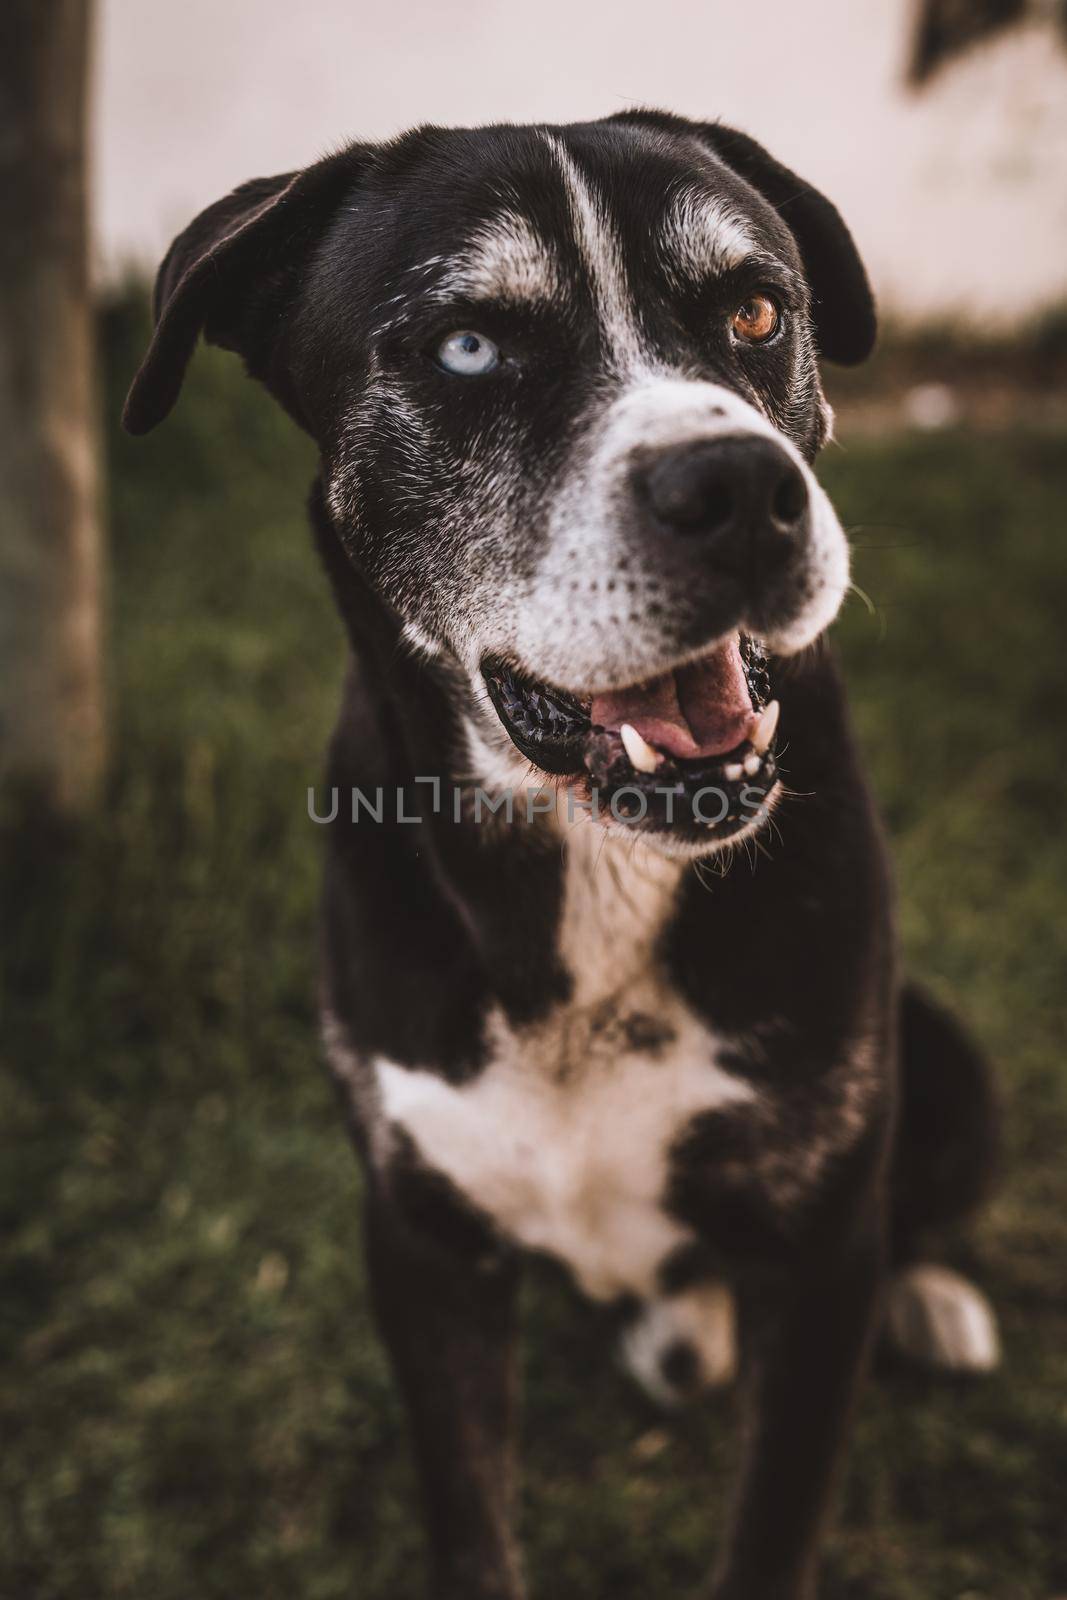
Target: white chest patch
x=563 y=1139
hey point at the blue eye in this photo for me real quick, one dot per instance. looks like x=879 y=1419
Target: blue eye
x=467 y=354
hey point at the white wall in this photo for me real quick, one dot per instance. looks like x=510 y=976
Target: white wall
x=958 y=197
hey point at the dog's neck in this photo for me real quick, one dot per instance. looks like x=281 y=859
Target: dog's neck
x=618 y=895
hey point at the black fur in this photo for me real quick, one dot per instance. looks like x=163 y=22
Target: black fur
x=333 y=286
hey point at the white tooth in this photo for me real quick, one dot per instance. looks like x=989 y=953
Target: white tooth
x=641 y=754
x=733 y=772
x=751 y=764
x=765 y=727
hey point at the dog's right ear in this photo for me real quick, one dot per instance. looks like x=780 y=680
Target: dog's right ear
x=232 y=275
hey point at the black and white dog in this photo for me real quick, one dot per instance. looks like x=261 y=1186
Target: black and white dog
x=565 y=386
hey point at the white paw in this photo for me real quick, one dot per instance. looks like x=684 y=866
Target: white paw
x=937 y=1318
x=684 y=1343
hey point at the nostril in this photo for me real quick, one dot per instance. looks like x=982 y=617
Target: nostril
x=790 y=498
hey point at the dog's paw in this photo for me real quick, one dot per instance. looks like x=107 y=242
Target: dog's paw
x=937 y=1319
x=684 y=1343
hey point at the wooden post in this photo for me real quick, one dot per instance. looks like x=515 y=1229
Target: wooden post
x=51 y=690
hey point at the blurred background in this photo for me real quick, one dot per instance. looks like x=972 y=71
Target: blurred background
x=956 y=194
x=192 y=1400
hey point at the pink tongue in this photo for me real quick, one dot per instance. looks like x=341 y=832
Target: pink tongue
x=701 y=710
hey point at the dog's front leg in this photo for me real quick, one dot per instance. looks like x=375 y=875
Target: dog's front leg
x=448 y=1322
x=808 y=1343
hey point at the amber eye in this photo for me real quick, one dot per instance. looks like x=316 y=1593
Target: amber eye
x=756 y=320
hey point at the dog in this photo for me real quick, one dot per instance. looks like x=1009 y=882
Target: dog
x=644 y=1018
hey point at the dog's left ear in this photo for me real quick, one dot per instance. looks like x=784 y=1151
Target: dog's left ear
x=842 y=302
x=232 y=275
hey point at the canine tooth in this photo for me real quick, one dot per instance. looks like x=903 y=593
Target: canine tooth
x=733 y=772
x=765 y=728
x=751 y=764
x=641 y=754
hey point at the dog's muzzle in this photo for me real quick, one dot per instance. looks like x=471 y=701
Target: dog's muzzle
x=690 y=534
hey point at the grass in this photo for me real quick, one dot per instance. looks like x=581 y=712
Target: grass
x=192 y=1401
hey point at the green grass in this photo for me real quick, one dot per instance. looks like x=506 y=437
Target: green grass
x=192 y=1401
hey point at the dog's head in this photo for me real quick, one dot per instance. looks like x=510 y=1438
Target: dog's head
x=565 y=386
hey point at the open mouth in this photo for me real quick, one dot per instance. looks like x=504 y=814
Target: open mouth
x=693 y=747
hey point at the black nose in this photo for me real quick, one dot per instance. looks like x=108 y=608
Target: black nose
x=742 y=498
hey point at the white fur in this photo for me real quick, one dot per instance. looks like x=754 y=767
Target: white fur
x=618 y=895
x=705 y=1318
x=935 y=1317
x=382 y=408
x=419 y=641
x=357 y=1083
x=702 y=236
x=563 y=1138
x=601 y=255
x=506 y=260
